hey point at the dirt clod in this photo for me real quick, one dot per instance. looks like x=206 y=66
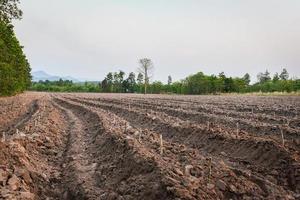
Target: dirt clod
x=14 y=183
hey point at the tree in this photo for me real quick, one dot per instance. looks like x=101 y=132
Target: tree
x=15 y=70
x=107 y=83
x=247 y=79
x=276 y=77
x=129 y=84
x=222 y=75
x=118 y=80
x=221 y=81
x=229 y=85
x=140 y=78
x=146 y=68
x=9 y=10
x=263 y=77
x=104 y=85
x=284 y=75
x=169 y=80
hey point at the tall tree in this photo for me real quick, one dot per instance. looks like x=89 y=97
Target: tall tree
x=275 y=77
x=263 y=77
x=247 y=79
x=284 y=75
x=129 y=84
x=15 y=70
x=110 y=79
x=140 y=78
x=169 y=80
x=146 y=68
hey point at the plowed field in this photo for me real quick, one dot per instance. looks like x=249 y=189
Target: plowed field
x=118 y=146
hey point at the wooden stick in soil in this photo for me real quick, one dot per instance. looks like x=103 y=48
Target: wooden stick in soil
x=161 y=144
x=237 y=129
x=3 y=137
x=209 y=168
x=282 y=137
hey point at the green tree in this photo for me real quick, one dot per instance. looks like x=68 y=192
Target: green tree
x=131 y=83
x=14 y=68
x=247 y=79
x=264 y=77
x=169 y=80
x=275 y=77
x=284 y=75
x=140 y=80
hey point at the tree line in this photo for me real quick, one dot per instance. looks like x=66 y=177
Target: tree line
x=199 y=83
x=14 y=67
x=64 y=86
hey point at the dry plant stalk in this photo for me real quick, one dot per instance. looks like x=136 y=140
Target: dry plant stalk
x=161 y=144
x=282 y=137
x=209 y=167
x=3 y=137
x=237 y=129
x=288 y=123
x=17 y=131
x=208 y=124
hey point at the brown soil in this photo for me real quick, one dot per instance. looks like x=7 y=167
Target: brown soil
x=108 y=146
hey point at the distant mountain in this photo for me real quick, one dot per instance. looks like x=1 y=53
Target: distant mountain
x=42 y=76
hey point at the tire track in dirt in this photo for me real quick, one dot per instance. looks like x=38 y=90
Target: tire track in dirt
x=258 y=156
x=78 y=167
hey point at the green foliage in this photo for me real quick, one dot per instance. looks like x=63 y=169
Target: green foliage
x=198 y=83
x=263 y=77
x=64 y=86
x=284 y=75
x=14 y=68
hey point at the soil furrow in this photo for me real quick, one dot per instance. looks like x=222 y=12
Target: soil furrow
x=258 y=155
x=172 y=162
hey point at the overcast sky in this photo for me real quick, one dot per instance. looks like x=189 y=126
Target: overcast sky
x=88 y=39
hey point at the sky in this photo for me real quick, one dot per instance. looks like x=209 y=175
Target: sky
x=88 y=39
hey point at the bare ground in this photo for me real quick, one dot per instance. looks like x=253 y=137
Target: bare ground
x=109 y=146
